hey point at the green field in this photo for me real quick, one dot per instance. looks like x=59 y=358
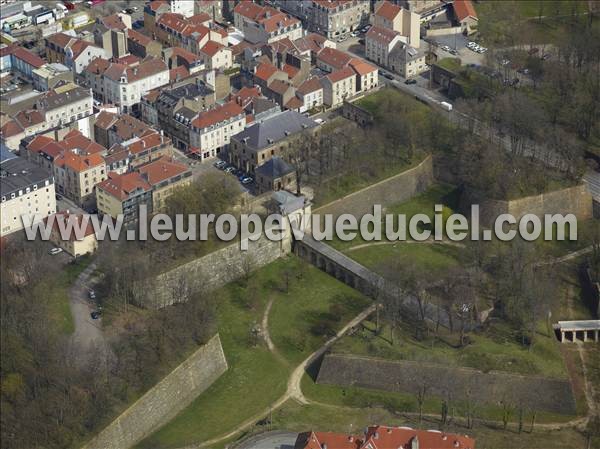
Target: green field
x=302 y=318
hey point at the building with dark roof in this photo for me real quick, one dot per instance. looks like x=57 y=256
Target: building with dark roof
x=258 y=143
x=25 y=189
x=276 y=174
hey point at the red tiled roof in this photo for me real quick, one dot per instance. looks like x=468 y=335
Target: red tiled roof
x=121 y=186
x=310 y=85
x=277 y=21
x=10 y=128
x=154 y=5
x=138 y=38
x=129 y=60
x=148 y=67
x=388 y=10
x=30 y=118
x=279 y=86
x=38 y=143
x=245 y=95
x=334 y=58
x=178 y=73
x=249 y=10
x=464 y=9
x=59 y=39
x=218 y=114
x=382 y=35
x=199 y=19
x=265 y=70
x=294 y=103
x=340 y=75
x=113 y=22
x=105 y=119
x=146 y=141
x=28 y=57
x=362 y=67
x=290 y=70
x=78 y=162
x=330 y=4
x=97 y=66
x=161 y=169
x=383 y=437
x=211 y=48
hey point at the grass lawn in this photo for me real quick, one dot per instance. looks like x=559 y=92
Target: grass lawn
x=495 y=348
x=315 y=307
x=299 y=323
x=295 y=417
x=371 y=102
x=345 y=184
x=56 y=293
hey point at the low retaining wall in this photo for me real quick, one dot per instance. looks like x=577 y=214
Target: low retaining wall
x=400 y=187
x=575 y=200
x=537 y=393
x=165 y=400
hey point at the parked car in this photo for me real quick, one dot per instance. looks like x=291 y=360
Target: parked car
x=533 y=51
x=247 y=180
x=95 y=314
x=55 y=251
x=410 y=81
x=58 y=197
x=230 y=169
x=361 y=41
x=220 y=164
x=452 y=51
x=545 y=56
x=523 y=70
x=319 y=121
x=388 y=76
x=92 y=294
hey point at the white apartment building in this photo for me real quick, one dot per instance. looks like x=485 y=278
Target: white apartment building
x=184 y=7
x=124 y=85
x=334 y=18
x=379 y=42
x=25 y=189
x=66 y=105
x=212 y=130
x=79 y=55
x=311 y=94
x=338 y=86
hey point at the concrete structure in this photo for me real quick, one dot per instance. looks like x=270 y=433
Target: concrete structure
x=25 y=189
x=49 y=75
x=165 y=400
x=578 y=331
x=391 y=50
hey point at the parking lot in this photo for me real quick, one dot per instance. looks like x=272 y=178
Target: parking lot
x=457 y=43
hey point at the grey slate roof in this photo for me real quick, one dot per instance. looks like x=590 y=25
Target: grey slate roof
x=18 y=174
x=274 y=129
x=274 y=168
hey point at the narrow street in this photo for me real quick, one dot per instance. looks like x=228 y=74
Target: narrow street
x=87 y=342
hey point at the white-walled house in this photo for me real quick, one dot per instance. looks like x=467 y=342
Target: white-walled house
x=124 y=85
x=211 y=131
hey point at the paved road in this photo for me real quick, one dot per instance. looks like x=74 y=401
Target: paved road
x=270 y=440
x=88 y=341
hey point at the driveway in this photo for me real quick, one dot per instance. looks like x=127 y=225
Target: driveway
x=88 y=341
x=270 y=440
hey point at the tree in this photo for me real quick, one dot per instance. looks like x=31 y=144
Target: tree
x=421 y=395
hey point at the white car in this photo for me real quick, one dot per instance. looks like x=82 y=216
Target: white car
x=55 y=251
x=471 y=44
x=319 y=121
